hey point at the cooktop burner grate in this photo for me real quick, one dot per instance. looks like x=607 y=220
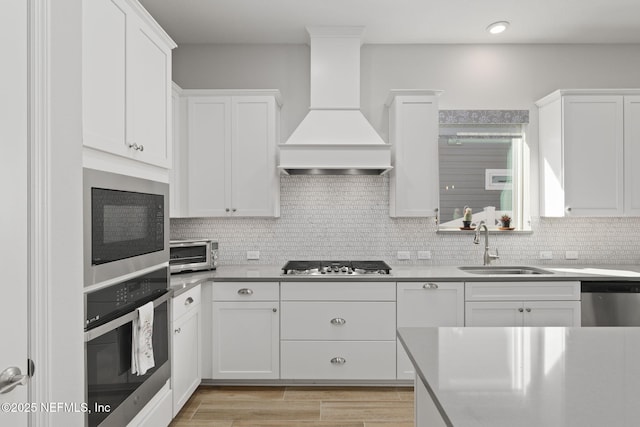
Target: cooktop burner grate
x=336 y=267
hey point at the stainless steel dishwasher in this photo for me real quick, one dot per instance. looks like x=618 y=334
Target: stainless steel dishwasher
x=611 y=303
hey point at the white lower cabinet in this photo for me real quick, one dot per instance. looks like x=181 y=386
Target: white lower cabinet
x=246 y=331
x=522 y=304
x=338 y=331
x=424 y=304
x=186 y=371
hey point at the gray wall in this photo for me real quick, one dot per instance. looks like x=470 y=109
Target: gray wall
x=471 y=76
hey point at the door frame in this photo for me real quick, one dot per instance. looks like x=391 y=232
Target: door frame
x=55 y=208
x=39 y=224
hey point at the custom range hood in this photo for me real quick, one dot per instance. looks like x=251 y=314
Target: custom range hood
x=335 y=138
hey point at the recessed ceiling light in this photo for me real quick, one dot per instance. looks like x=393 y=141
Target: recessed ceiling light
x=498 y=27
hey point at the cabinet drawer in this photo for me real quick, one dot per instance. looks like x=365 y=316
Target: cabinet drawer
x=246 y=291
x=338 y=360
x=186 y=302
x=301 y=320
x=519 y=291
x=338 y=291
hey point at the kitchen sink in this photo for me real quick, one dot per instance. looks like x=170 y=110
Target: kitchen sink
x=502 y=269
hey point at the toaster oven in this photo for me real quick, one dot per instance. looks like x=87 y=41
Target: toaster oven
x=193 y=255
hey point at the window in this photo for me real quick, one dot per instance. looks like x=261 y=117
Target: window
x=484 y=161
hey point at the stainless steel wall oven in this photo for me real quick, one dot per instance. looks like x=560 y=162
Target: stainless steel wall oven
x=110 y=383
x=126 y=225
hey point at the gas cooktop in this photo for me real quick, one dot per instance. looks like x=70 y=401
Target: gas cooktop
x=312 y=268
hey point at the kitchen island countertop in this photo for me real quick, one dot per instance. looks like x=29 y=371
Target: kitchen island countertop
x=526 y=377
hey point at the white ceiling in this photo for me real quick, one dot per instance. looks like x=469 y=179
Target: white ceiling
x=400 y=21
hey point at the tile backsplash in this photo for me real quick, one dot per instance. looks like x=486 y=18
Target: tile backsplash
x=347 y=217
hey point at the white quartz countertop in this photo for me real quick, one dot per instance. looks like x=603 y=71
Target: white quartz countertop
x=258 y=272
x=529 y=377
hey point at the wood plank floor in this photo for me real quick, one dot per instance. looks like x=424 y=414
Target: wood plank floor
x=298 y=407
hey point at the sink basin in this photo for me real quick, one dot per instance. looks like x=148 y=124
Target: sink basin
x=502 y=269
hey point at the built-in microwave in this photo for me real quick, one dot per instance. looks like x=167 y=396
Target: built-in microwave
x=126 y=225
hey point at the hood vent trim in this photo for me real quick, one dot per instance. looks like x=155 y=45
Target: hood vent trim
x=335 y=138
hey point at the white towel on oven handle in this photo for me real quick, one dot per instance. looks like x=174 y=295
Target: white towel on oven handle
x=142 y=336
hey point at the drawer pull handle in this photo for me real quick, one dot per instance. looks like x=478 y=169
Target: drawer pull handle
x=429 y=286
x=338 y=321
x=338 y=361
x=188 y=301
x=245 y=291
x=528 y=310
x=520 y=310
x=177 y=331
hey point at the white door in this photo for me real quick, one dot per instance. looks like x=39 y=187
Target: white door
x=14 y=212
x=426 y=304
x=186 y=373
x=494 y=313
x=593 y=155
x=246 y=340
x=253 y=155
x=552 y=313
x=149 y=94
x=631 y=155
x=104 y=70
x=209 y=156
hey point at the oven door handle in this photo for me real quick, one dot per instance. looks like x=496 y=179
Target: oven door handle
x=116 y=323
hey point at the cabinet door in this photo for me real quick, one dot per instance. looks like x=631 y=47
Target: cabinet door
x=148 y=95
x=552 y=313
x=104 y=24
x=414 y=178
x=187 y=373
x=426 y=304
x=209 y=156
x=254 y=175
x=593 y=155
x=632 y=155
x=246 y=340
x=495 y=313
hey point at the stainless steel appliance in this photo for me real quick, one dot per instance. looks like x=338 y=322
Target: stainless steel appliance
x=611 y=303
x=330 y=268
x=108 y=343
x=193 y=255
x=126 y=225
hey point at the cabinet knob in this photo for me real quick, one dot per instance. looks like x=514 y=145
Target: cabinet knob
x=245 y=291
x=275 y=310
x=188 y=301
x=227 y=210
x=338 y=361
x=528 y=310
x=520 y=310
x=568 y=208
x=430 y=286
x=177 y=331
x=338 y=321
x=234 y=209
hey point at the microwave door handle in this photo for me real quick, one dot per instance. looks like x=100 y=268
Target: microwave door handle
x=116 y=323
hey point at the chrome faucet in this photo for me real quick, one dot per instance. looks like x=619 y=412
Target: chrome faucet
x=488 y=256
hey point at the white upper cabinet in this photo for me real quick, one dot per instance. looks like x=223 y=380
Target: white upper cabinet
x=413 y=134
x=231 y=166
x=126 y=82
x=632 y=154
x=588 y=142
